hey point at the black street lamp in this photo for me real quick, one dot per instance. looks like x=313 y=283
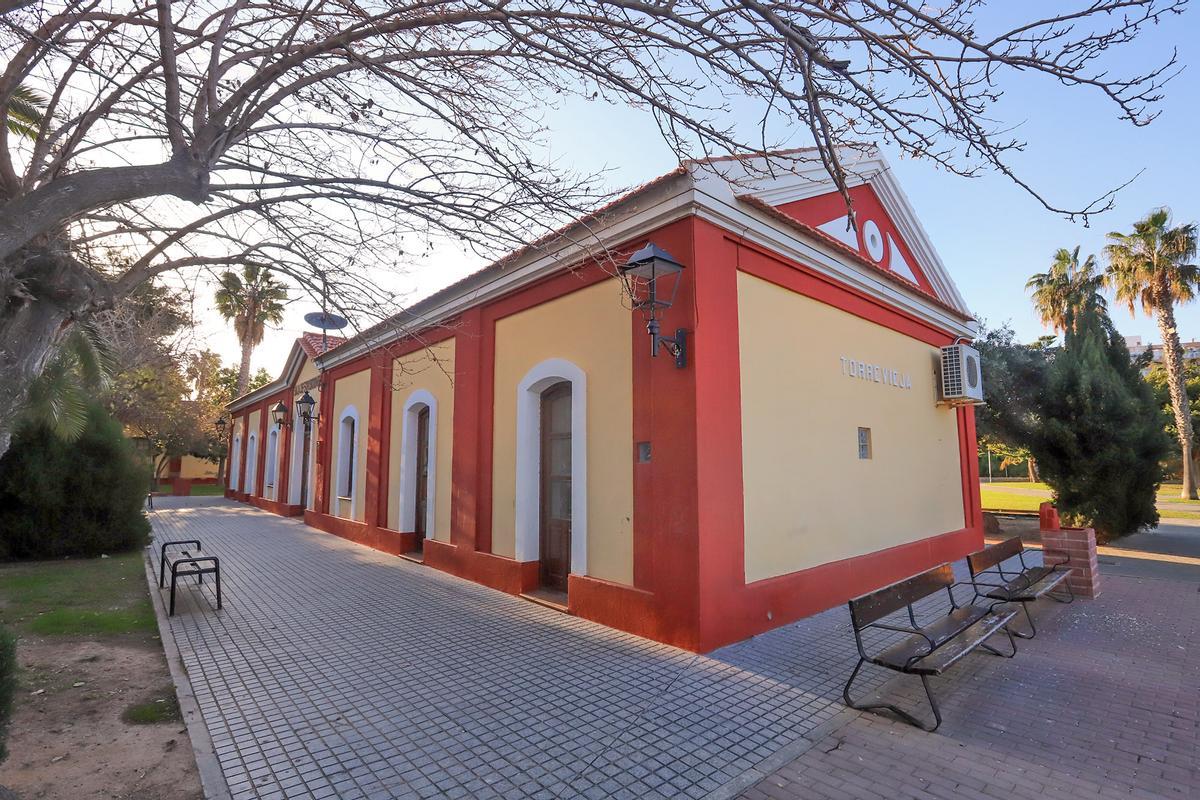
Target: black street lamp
x=305 y=406
x=279 y=415
x=651 y=277
x=219 y=423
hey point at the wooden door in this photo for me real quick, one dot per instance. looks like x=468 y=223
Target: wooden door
x=555 y=536
x=421 y=501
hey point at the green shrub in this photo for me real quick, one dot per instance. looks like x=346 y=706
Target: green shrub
x=1101 y=443
x=78 y=498
x=8 y=685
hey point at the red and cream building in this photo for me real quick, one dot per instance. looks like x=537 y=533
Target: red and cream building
x=514 y=430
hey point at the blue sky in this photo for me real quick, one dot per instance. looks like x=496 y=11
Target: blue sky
x=991 y=235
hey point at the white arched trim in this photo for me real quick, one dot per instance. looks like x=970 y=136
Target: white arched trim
x=271 y=480
x=235 y=465
x=251 y=463
x=408 y=462
x=297 y=453
x=347 y=459
x=529 y=456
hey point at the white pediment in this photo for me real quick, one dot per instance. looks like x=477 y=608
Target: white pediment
x=799 y=175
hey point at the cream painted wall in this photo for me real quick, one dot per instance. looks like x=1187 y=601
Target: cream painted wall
x=193 y=467
x=308 y=371
x=590 y=328
x=253 y=471
x=352 y=390
x=809 y=498
x=430 y=369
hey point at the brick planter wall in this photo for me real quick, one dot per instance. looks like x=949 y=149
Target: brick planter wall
x=1078 y=545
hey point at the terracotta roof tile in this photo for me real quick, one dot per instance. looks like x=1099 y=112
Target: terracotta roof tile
x=313 y=345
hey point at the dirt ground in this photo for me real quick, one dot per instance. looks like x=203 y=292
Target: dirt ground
x=68 y=740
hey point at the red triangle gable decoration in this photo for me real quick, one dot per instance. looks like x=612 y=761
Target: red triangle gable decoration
x=877 y=238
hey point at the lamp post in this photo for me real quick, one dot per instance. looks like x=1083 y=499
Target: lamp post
x=279 y=415
x=219 y=423
x=305 y=406
x=651 y=277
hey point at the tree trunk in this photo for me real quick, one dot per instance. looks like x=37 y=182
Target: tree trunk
x=1173 y=360
x=42 y=294
x=1032 y=469
x=44 y=210
x=244 y=369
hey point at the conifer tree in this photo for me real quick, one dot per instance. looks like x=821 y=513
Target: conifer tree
x=1100 y=442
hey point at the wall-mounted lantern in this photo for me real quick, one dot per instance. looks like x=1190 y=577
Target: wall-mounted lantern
x=219 y=423
x=279 y=415
x=651 y=277
x=305 y=406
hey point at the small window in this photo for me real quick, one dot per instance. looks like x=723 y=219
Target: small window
x=864 y=442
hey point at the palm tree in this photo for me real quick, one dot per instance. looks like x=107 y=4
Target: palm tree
x=1060 y=292
x=25 y=112
x=1154 y=266
x=251 y=301
x=60 y=397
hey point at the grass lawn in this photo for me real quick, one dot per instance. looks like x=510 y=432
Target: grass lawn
x=77 y=597
x=95 y=712
x=1002 y=485
x=1167 y=493
x=993 y=499
x=207 y=490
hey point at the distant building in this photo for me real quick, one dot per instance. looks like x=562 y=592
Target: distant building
x=1191 y=350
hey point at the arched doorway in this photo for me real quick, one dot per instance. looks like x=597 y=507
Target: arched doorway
x=235 y=465
x=551 y=516
x=418 y=467
x=554 y=536
x=421 y=490
x=251 y=466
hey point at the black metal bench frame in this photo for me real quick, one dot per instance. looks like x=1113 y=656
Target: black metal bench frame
x=1022 y=586
x=866 y=612
x=185 y=564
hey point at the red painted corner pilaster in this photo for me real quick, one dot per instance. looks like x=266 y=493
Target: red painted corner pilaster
x=468 y=444
x=323 y=458
x=376 y=450
x=260 y=455
x=718 y=430
x=385 y=443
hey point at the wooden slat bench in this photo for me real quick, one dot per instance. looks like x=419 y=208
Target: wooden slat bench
x=1024 y=585
x=186 y=562
x=930 y=648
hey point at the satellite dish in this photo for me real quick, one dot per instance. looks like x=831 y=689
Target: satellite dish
x=325 y=320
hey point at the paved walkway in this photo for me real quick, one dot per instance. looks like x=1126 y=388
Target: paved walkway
x=1104 y=703
x=335 y=670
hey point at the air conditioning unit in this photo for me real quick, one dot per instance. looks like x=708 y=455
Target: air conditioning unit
x=962 y=383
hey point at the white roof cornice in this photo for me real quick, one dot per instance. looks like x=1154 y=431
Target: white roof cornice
x=706 y=191
x=291 y=370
